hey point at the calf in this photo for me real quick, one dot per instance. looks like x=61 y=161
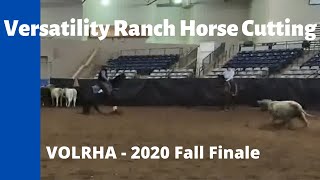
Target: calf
x=56 y=94
x=284 y=110
x=71 y=96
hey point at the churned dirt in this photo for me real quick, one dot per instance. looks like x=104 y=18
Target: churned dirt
x=285 y=154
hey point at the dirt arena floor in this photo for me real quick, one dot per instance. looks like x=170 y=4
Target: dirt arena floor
x=285 y=154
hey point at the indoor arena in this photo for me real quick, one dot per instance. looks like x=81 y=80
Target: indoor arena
x=259 y=91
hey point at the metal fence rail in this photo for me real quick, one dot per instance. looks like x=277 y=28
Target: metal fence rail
x=152 y=51
x=212 y=60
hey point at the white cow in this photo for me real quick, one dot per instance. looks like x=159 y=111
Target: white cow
x=71 y=96
x=284 y=110
x=56 y=94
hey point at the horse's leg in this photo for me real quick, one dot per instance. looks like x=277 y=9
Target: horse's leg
x=227 y=101
x=96 y=107
x=224 y=102
x=226 y=94
x=233 y=102
x=86 y=106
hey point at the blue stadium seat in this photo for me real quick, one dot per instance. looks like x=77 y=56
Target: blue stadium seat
x=314 y=61
x=144 y=64
x=273 y=59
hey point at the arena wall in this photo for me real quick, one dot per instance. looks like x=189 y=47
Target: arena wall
x=131 y=11
x=57 y=15
x=220 y=12
x=299 y=11
x=208 y=12
x=175 y=15
x=203 y=92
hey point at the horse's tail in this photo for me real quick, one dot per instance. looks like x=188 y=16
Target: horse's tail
x=62 y=92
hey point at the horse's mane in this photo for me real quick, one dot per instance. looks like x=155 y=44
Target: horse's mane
x=118 y=80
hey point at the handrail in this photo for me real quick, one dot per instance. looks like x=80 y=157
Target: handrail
x=286 y=43
x=188 y=58
x=180 y=50
x=89 y=60
x=213 y=58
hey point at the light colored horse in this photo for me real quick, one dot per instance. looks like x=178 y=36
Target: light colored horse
x=71 y=96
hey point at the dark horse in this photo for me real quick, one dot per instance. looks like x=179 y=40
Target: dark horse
x=230 y=90
x=91 y=97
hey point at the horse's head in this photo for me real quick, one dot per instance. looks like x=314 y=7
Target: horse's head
x=118 y=80
x=221 y=77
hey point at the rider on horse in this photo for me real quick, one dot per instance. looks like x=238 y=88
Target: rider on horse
x=104 y=82
x=231 y=89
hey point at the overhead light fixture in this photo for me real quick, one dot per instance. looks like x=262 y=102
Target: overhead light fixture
x=105 y=2
x=177 y=1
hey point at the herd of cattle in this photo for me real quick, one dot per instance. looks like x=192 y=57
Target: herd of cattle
x=58 y=94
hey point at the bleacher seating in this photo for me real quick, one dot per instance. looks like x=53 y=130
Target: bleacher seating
x=309 y=69
x=274 y=60
x=143 y=64
x=314 y=61
x=302 y=72
x=172 y=74
x=241 y=73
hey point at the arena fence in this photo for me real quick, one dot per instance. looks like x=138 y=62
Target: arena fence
x=314 y=45
x=203 y=92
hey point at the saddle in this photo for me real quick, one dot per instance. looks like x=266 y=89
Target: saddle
x=96 y=89
x=103 y=87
